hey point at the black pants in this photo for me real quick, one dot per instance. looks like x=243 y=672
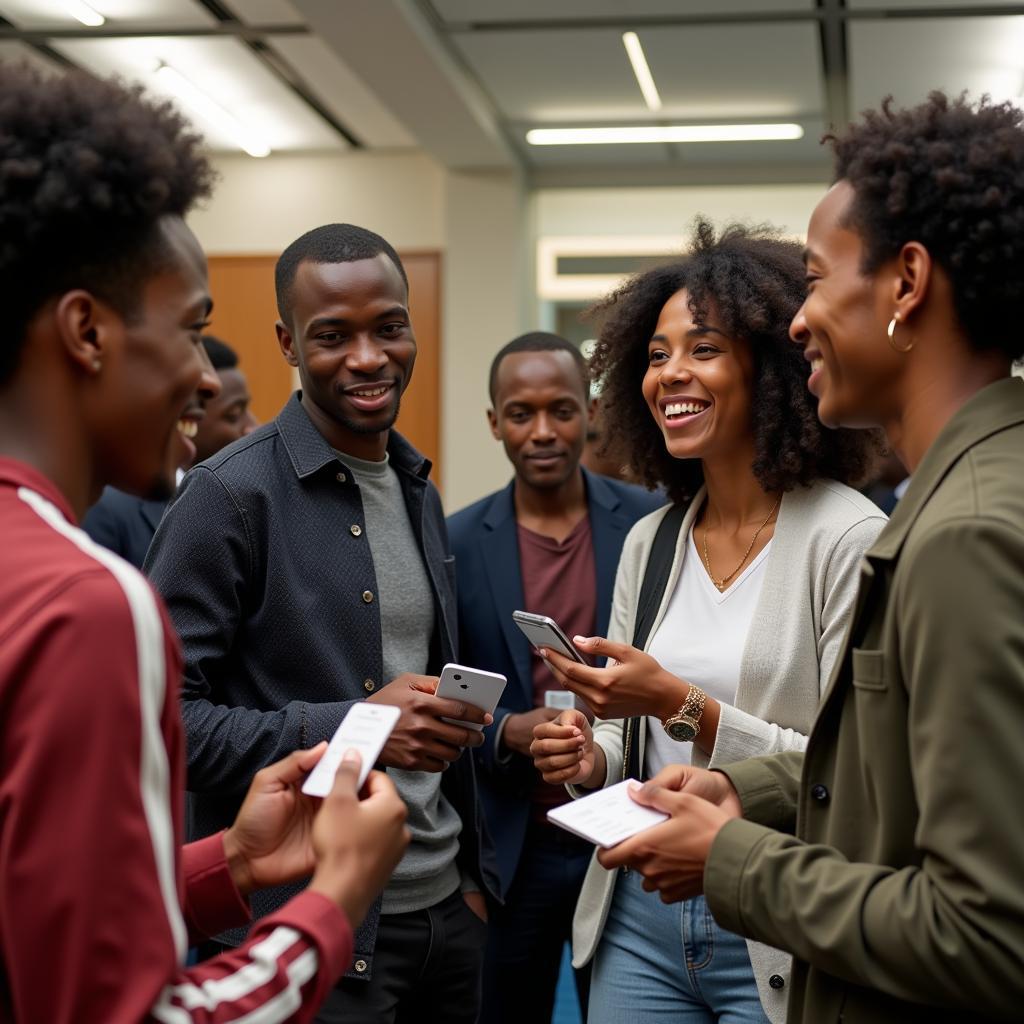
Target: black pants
x=527 y=934
x=426 y=970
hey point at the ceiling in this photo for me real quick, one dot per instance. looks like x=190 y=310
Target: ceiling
x=466 y=79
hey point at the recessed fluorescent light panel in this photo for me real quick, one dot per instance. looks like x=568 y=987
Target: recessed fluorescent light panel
x=199 y=103
x=644 y=78
x=81 y=11
x=632 y=134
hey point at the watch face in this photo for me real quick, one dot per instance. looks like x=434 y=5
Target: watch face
x=683 y=730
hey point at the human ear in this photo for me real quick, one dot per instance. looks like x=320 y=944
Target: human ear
x=89 y=329
x=492 y=420
x=913 y=280
x=284 y=339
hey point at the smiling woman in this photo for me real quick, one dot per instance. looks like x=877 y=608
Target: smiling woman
x=709 y=400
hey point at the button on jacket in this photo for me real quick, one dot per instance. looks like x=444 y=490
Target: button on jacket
x=272 y=593
x=901 y=894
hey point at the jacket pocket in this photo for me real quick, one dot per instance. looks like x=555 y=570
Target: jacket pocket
x=869 y=670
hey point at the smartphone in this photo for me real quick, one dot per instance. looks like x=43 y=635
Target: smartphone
x=365 y=729
x=543 y=631
x=481 y=689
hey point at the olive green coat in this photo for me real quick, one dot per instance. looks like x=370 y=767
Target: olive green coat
x=889 y=856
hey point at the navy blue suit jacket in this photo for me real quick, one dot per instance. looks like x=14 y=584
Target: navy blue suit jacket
x=124 y=524
x=489 y=588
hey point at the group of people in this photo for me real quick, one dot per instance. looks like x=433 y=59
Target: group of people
x=825 y=704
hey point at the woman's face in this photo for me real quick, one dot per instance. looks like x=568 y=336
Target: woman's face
x=699 y=384
x=842 y=323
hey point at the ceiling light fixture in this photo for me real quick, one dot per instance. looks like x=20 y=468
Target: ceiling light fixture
x=81 y=11
x=629 y=134
x=644 y=78
x=192 y=96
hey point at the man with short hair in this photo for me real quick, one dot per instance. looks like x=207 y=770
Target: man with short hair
x=547 y=543
x=105 y=292
x=304 y=568
x=217 y=414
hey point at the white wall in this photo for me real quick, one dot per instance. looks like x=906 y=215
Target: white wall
x=260 y=206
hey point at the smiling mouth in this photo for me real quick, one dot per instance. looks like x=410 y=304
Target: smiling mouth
x=370 y=392
x=188 y=428
x=679 y=412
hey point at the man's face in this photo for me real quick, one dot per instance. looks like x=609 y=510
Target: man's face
x=351 y=339
x=226 y=417
x=540 y=415
x=152 y=367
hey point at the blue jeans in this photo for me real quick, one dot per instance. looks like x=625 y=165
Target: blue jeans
x=658 y=963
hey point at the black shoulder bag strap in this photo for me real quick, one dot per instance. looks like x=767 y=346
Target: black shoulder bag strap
x=652 y=590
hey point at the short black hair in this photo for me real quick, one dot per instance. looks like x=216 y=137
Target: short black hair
x=950 y=175
x=754 y=279
x=88 y=168
x=329 y=243
x=538 y=341
x=222 y=355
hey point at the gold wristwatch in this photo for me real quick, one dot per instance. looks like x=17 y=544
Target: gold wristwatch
x=685 y=723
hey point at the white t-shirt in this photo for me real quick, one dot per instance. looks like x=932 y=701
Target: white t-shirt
x=701 y=640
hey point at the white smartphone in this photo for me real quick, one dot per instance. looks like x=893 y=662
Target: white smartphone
x=474 y=686
x=365 y=729
x=543 y=631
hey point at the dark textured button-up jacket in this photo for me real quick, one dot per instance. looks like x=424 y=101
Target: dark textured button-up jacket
x=273 y=594
x=901 y=893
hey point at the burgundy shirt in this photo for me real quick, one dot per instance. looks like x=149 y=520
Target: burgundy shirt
x=559 y=580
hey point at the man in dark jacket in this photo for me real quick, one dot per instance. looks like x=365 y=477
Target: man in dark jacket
x=306 y=566
x=548 y=543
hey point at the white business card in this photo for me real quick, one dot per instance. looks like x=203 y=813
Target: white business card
x=564 y=700
x=607 y=816
x=365 y=729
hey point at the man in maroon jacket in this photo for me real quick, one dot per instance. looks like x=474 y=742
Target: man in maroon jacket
x=105 y=294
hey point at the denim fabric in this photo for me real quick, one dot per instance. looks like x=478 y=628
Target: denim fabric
x=659 y=963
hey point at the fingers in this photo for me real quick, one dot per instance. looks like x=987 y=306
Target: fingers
x=380 y=787
x=661 y=799
x=617 y=856
x=442 y=707
x=346 y=778
x=291 y=768
x=566 y=742
x=599 y=646
x=672 y=776
x=574 y=718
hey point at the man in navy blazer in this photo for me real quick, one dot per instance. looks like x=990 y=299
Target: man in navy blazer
x=548 y=543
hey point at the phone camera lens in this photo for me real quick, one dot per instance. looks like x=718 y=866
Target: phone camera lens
x=457 y=676
x=465 y=686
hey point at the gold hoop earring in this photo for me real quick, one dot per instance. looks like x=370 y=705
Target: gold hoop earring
x=890 y=331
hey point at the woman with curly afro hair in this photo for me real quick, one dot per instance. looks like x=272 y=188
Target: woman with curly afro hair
x=708 y=398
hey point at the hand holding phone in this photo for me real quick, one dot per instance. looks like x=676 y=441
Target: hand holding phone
x=473 y=686
x=365 y=729
x=543 y=631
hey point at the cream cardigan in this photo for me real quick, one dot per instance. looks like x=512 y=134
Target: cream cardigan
x=795 y=638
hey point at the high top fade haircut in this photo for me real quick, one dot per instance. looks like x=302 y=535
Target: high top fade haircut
x=88 y=168
x=950 y=175
x=539 y=341
x=330 y=243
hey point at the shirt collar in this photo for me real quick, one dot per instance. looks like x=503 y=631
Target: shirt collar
x=20 y=474
x=309 y=451
x=994 y=408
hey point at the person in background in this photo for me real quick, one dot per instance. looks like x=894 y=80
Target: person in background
x=226 y=415
x=105 y=293
x=887 y=856
x=547 y=543
x=306 y=569
x=217 y=414
x=710 y=396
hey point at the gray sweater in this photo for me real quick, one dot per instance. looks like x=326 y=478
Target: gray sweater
x=795 y=638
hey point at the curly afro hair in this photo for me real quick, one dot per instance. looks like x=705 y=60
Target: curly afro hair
x=950 y=175
x=754 y=280
x=87 y=170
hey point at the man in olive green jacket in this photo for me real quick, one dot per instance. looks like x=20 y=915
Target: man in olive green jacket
x=901 y=879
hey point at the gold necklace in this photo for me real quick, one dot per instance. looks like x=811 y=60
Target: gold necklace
x=723 y=582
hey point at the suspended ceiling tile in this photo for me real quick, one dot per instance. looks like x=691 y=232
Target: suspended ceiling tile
x=342 y=92
x=551 y=10
x=227 y=72
x=977 y=54
x=44 y=14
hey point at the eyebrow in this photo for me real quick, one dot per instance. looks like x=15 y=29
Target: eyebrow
x=341 y=321
x=693 y=332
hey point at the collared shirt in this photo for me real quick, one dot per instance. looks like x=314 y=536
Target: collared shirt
x=263 y=561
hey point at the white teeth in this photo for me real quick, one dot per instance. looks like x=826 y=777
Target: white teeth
x=683 y=408
x=817 y=364
x=370 y=394
x=188 y=427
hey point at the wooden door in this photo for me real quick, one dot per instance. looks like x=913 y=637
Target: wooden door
x=244 y=314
